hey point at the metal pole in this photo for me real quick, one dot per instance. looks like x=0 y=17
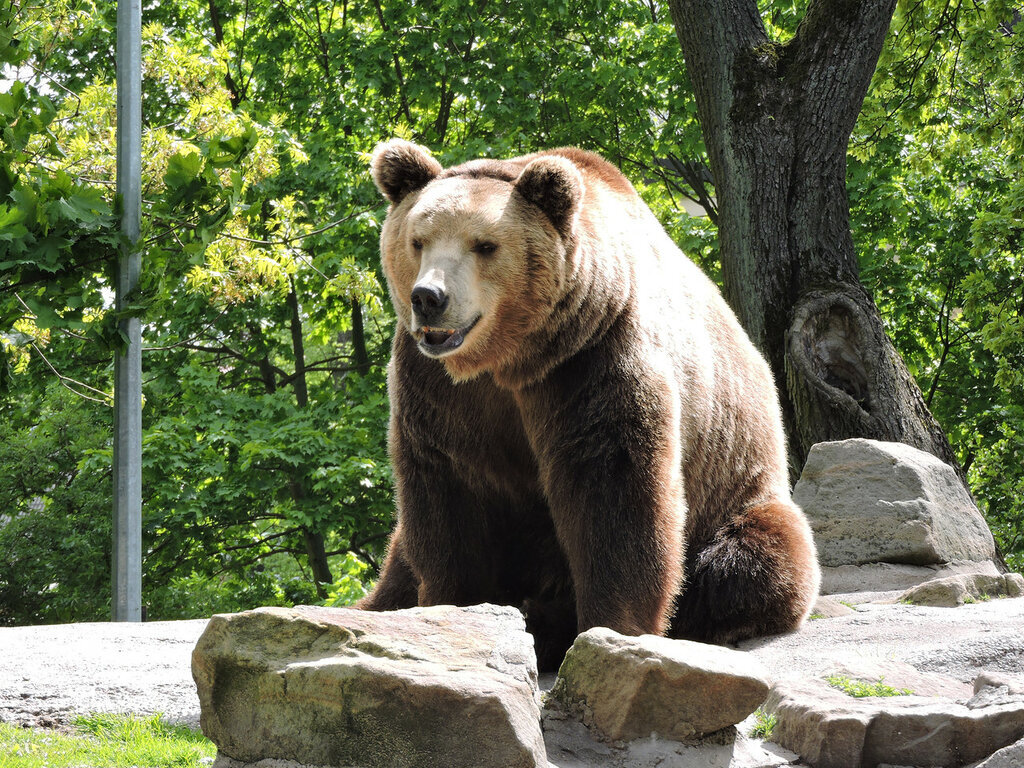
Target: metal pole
x=126 y=604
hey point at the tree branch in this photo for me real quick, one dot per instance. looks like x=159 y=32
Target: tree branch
x=833 y=55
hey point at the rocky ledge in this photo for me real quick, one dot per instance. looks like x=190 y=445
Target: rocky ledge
x=413 y=687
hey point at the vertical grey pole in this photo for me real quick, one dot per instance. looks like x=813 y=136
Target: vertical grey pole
x=127 y=553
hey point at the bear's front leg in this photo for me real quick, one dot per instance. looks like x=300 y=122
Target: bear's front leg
x=443 y=526
x=397 y=587
x=606 y=436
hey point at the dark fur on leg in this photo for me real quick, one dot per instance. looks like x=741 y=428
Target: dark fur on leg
x=755 y=577
x=397 y=586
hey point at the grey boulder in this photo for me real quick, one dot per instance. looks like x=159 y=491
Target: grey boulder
x=340 y=687
x=952 y=591
x=829 y=729
x=870 y=501
x=631 y=687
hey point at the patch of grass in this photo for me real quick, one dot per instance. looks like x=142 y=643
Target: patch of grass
x=106 y=741
x=764 y=725
x=816 y=615
x=859 y=689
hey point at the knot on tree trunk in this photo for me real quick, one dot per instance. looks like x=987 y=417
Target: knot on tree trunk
x=828 y=346
x=845 y=379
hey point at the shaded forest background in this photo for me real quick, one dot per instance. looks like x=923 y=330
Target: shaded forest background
x=265 y=320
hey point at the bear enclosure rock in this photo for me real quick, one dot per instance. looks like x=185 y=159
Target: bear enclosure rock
x=829 y=729
x=952 y=591
x=878 y=502
x=340 y=687
x=631 y=687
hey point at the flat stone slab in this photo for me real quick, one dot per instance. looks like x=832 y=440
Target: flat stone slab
x=830 y=729
x=402 y=689
x=632 y=687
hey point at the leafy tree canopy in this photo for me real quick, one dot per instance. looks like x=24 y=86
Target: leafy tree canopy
x=266 y=324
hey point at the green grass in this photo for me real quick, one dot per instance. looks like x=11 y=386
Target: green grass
x=764 y=725
x=971 y=599
x=105 y=741
x=859 y=689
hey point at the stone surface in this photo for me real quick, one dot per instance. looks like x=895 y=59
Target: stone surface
x=829 y=729
x=632 y=687
x=951 y=591
x=1007 y=757
x=894 y=577
x=49 y=674
x=989 y=679
x=571 y=745
x=1014 y=585
x=144 y=668
x=995 y=696
x=870 y=501
x=902 y=676
x=829 y=608
x=339 y=687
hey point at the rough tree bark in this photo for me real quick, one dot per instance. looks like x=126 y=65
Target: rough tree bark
x=777 y=119
x=315 y=548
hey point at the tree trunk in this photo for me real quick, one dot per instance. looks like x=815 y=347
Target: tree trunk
x=777 y=119
x=359 y=354
x=315 y=548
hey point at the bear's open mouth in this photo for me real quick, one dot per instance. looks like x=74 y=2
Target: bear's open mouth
x=439 y=341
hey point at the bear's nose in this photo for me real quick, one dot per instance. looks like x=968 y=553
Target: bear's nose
x=428 y=302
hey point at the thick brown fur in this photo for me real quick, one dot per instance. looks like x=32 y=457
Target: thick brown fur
x=599 y=443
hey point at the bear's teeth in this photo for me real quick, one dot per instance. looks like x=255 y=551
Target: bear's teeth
x=437 y=336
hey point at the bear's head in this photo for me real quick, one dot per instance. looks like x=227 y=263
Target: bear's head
x=476 y=256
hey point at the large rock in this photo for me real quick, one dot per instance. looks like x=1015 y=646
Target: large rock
x=1007 y=757
x=632 y=687
x=339 y=687
x=987 y=679
x=951 y=591
x=870 y=501
x=829 y=729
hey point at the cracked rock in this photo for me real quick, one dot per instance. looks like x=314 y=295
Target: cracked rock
x=340 y=687
x=870 y=501
x=630 y=687
x=829 y=729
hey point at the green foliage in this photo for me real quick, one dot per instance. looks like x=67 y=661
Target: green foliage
x=265 y=316
x=937 y=205
x=860 y=689
x=116 y=741
x=55 y=521
x=350 y=586
x=764 y=725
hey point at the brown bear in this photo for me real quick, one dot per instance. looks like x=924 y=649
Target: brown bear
x=579 y=426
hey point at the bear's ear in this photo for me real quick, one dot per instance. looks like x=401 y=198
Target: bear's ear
x=400 y=167
x=554 y=185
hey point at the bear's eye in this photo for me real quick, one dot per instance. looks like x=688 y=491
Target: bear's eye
x=417 y=245
x=485 y=249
